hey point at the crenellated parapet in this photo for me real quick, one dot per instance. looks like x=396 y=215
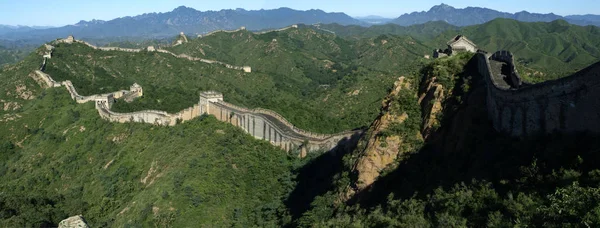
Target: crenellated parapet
x=569 y=104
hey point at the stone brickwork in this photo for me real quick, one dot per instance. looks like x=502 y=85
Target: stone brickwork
x=457 y=44
x=569 y=104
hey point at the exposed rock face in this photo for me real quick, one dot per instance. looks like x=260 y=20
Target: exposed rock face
x=431 y=96
x=73 y=222
x=380 y=151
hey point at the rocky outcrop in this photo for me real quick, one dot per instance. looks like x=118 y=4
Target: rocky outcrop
x=76 y=221
x=431 y=96
x=381 y=150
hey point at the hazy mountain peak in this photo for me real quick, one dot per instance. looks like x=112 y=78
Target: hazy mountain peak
x=442 y=7
x=88 y=23
x=478 y=15
x=186 y=19
x=183 y=8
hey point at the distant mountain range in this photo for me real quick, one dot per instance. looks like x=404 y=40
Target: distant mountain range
x=374 y=19
x=18 y=28
x=478 y=15
x=191 y=21
x=188 y=20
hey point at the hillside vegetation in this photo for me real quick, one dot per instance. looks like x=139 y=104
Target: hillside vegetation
x=60 y=159
x=430 y=157
x=464 y=174
x=544 y=50
x=12 y=55
x=319 y=82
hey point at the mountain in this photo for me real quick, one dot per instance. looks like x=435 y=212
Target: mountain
x=423 y=31
x=18 y=28
x=187 y=20
x=587 y=17
x=374 y=19
x=478 y=15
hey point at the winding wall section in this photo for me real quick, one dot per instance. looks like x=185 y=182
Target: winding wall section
x=260 y=123
x=569 y=104
x=70 y=40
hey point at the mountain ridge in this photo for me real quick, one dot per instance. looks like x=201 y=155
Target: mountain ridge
x=479 y=15
x=187 y=20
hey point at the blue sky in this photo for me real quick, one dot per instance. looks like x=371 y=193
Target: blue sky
x=63 y=12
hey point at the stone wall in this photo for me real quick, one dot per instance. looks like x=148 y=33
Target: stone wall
x=260 y=123
x=244 y=28
x=70 y=40
x=147 y=116
x=46 y=78
x=569 y=104
x=270 y=126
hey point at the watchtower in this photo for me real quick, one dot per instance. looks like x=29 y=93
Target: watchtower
x=70 y=39
x=208 y=97
x=136 y=89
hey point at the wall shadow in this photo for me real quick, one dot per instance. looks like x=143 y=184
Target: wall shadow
x=317 y=176
x=467 y=148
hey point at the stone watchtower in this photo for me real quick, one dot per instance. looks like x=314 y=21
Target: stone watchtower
x=457 y=44
x=208 y=97
x=460 y=43
x=70 y=39
x=136 y=89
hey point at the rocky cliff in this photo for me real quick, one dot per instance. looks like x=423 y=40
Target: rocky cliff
x=382 y=144
x=411 y=115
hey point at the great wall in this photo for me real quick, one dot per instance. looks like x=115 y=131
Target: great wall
x=244 y=29
x=71 y=39
x=260 y=123
x=568 y=104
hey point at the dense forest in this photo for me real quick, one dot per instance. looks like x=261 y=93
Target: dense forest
x=446 y=165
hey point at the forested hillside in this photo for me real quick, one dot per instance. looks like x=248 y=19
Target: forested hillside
x=463 y=174
x=60 y=159
x=12 y=55
x=545 y=50
x=429 y=157
x=319 y=82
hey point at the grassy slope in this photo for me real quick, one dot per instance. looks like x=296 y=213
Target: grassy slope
x=60 y=159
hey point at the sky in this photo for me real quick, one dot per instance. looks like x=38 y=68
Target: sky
x=63 y=12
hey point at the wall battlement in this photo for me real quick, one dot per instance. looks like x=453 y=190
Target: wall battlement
x=569 y=104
